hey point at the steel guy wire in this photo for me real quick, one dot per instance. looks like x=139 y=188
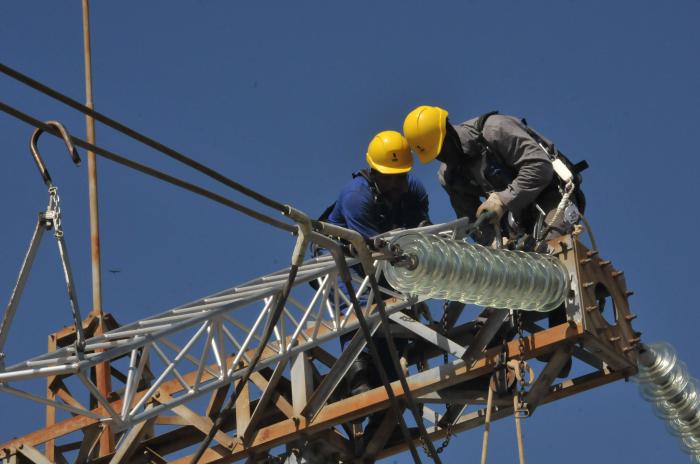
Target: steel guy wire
x=174 y=154
x=151 y=171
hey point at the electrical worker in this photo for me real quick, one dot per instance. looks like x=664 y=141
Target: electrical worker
x=531 y=187
x=502 y=159
x=378 y=199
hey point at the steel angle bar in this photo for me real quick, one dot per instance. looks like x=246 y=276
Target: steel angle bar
x=330 y=382
x=129 y=385
x=40 y=372
x=121 y=349
x=250 y=335
x=265 y=362
x=217 y=347
x=9 y=314
x=242 y=327
x=104 y=402
x=136 y=368
x=235 y=342
x=452 y=226
x=320 y=268
x=176 y=348
x=428 y=334
x=70 y=286
x=170 y=367
x=40 y=399
x=33 y=455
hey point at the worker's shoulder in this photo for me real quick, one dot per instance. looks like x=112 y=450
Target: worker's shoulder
x=493 y=124
x=355 y=188
x=415 y=184
x=500 y=120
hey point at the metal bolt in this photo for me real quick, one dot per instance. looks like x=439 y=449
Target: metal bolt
x=614 y=339
x=591 y=308
x=585 y=260
x=588 y=284
x=630 y=316
x=604 y=263
x=616 y=273
x=629 y=293
x=592 y=253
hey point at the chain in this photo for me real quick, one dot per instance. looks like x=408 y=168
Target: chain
x=448 y=436
x=53 y=211
x=282 y=459
x=522 y=365
x=445 y=328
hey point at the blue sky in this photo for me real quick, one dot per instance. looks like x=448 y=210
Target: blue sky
x=285 y=96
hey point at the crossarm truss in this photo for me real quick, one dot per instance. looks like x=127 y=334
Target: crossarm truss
x=199 y=350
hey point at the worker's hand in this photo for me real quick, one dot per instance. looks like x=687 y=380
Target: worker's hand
x=494 y=204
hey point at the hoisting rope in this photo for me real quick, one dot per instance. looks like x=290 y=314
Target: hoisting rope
x=518 y=429
x=487 y=425
x=151 y=171
x=174 y=154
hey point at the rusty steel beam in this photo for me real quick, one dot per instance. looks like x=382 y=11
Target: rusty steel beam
x=102 y=371
x=476 y=419
x=377 y=399
x=288 y=430
x=537 y=344
x=171 y=387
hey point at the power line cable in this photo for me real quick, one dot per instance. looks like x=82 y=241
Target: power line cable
x=174 y=154
x=151 y=171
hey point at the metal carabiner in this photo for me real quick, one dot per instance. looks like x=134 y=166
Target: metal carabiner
x=35 y=151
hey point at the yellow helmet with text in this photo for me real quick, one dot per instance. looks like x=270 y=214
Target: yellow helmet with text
x=388 y=153
x=425 y=128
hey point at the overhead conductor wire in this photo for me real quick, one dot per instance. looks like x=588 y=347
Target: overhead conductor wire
x=192 y=188
x=279 y=307
x=23 y=78
x=150 y=171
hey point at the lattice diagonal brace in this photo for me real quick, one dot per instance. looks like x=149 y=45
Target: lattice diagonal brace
x=202 y=334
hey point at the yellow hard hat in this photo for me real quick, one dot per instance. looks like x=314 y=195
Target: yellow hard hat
x=425 y=128
x=388 y=153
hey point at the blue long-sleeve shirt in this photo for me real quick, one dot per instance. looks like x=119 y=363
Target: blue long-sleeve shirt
x=357 y=209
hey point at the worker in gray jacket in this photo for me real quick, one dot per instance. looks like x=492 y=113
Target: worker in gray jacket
x=500 y=158
x=526 y=182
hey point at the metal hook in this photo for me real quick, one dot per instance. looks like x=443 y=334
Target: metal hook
x=35 y=152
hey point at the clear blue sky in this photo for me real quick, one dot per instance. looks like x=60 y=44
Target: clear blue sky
x=285 y=96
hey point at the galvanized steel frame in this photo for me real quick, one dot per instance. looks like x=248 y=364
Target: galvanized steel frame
x=309 y=322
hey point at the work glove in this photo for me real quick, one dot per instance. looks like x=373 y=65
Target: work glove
x=494 y=204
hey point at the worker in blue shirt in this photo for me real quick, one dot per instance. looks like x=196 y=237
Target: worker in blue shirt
x=376 y=200
x=383 y=197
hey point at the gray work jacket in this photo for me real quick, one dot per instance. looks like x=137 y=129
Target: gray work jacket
x=517 y=169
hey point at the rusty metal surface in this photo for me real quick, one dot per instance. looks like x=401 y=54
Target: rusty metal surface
x=102 y=371
x=280 y=425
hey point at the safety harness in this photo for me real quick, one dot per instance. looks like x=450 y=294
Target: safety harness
x=376 y=193
x=566 y=171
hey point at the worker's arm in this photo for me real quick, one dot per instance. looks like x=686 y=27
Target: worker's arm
x=518 y=150
x=419 y=204
x=360 y=212
x=464 y=200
